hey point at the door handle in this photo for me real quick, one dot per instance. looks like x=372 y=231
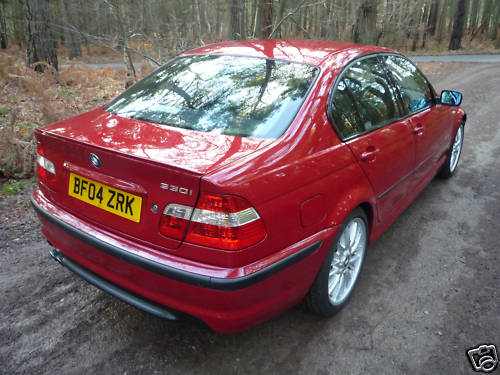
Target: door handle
x=370 y=154
x=418 y=129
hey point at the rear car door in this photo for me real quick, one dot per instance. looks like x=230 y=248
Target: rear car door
x=428 y=119
x=367 y=114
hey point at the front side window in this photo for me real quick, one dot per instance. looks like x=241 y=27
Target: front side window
x=241 y=96
x=415 y=89
x=363 y=99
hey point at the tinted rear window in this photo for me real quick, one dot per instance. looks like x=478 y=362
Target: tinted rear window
x=241 y=96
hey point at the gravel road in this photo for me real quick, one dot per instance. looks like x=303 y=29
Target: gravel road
x=430 y=288
x=494 y=59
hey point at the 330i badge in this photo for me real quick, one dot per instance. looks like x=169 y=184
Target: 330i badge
x=241 y=177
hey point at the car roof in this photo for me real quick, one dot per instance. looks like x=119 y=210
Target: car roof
x=314 y=52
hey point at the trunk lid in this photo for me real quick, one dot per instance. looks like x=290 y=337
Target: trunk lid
x=146 y=164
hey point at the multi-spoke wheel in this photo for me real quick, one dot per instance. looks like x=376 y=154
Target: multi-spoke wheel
x=346 y=262
x=341 y=268
x=453 y=155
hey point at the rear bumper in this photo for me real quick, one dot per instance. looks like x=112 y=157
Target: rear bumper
x=149 y=280
x=118 y=292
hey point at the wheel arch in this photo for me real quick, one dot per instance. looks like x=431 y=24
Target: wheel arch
x=460 y=118
x=364 y=201
x=369 y=211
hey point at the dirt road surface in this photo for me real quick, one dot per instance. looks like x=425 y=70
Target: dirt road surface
x=430 y=288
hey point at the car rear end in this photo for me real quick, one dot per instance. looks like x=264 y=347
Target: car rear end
x=124 y=202
x=188 y=257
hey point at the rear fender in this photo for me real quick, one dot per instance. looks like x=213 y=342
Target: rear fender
x=362 y=195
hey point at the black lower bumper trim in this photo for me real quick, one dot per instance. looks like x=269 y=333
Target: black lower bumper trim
x=174 y=273
x=121 y=293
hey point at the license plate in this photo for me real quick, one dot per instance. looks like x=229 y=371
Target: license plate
x=106 y=198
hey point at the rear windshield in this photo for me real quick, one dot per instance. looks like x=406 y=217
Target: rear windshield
x=241 y=96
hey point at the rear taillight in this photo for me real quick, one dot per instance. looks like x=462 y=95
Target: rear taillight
x=45 y=170
x=221 y=221
x=174 y=221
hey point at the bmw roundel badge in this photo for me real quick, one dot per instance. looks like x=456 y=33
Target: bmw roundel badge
x=95 y=160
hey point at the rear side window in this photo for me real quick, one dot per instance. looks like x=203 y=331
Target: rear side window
x=232 y=95
x=363 y=99
x=345 y=113
x=415 y=90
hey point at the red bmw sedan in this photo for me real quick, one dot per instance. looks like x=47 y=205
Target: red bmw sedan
x=241 y=177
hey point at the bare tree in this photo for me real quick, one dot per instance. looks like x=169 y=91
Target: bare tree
x=332 y=30
x=415 y=23
x=365 y=29
x=495 y=23
x=433 y=17
x=158 y=29
x=41 y=45
x=265 y=18
x=120 y=13
x=4 y=39
x=235 y=20
x=458 y=26
x=443 y=14
x=204 y=24
x=485 y=19
x=70 y=31
x=473 y=17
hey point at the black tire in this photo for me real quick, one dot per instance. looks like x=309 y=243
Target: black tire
x=450 y=166
x=318 y=298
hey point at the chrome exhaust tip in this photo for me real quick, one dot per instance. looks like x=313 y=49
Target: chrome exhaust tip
x=57 y=255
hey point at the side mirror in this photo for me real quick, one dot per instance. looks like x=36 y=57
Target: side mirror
x=453 y=98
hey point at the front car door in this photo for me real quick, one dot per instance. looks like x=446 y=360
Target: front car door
x=429 y=120
x=366 y=112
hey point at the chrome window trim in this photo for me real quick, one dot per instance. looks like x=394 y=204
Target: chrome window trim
x=340 y=76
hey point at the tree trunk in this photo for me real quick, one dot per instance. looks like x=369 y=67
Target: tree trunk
x=433 y=17
x=417 y=17
x=365 y=29
x=458 y=26
x=204 y=24
x=425 y=20
x=442 y=21
x=265 y=19
x=332 y=32
x=129 y=65
x=452 y=12
x=40 y=44
x=485 y=19
x=280 y=15
x=340 y=19
x=4 y=40
x=474 y=11
x=497 y=41
x=243 y=15
x=122 y=23
x=218 y=19
x=18 y=23
x=197 y=20
x=71 y=36
x=304 y=20
x=201 y=17
x=235 y=20
x=495 y=22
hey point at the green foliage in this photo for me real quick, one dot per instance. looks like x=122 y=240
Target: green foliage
x=66 y=91
x=14 y=187
x=3 y=111
x=25 y=125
